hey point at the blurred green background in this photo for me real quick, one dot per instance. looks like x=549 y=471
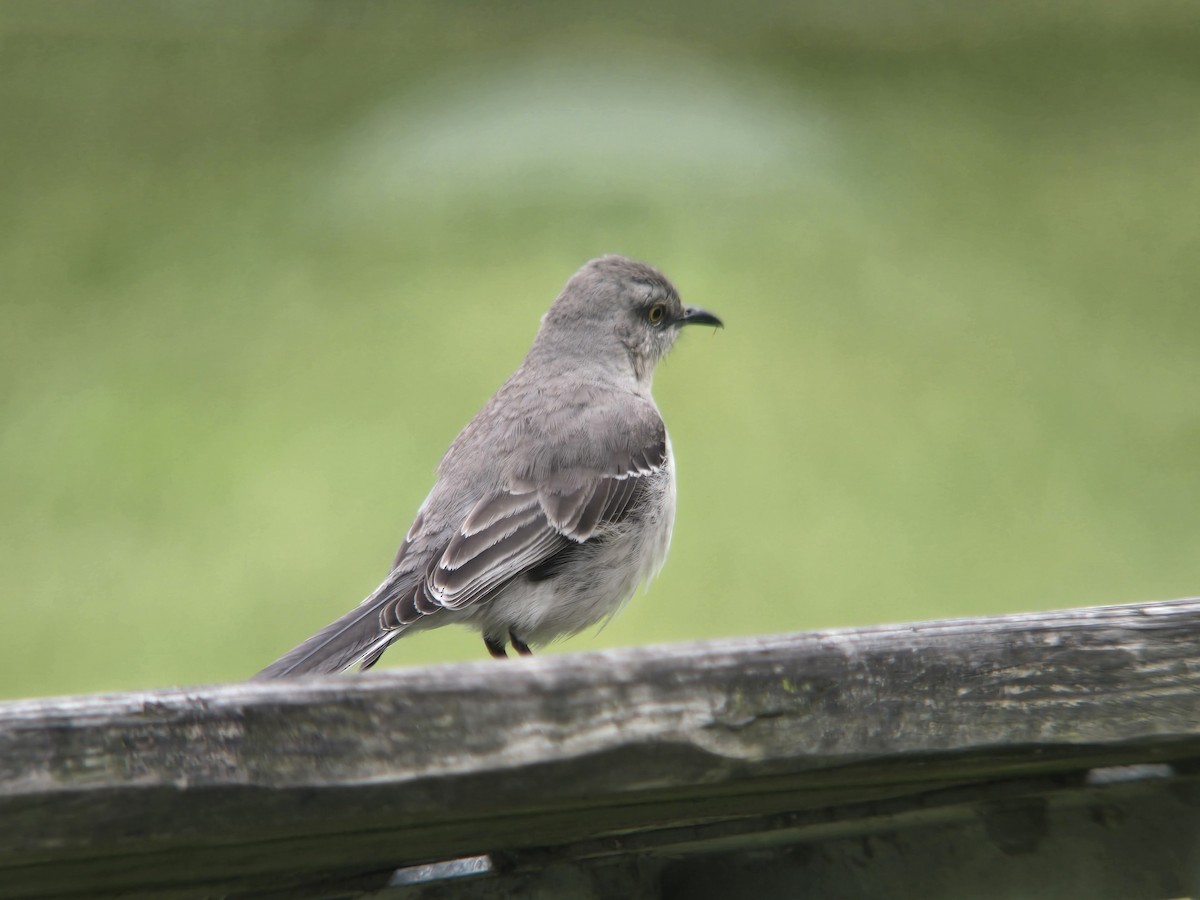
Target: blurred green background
x=260 y=262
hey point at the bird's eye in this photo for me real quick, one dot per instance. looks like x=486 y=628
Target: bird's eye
x=655 y=313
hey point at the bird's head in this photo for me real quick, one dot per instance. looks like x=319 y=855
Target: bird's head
x=619 y=309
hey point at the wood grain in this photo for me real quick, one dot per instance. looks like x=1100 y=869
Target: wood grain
x=252 y=787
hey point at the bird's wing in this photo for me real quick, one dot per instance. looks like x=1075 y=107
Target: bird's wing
x=575 y=491
x=592 y=476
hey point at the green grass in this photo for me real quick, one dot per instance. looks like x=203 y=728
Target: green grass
x=254 y=277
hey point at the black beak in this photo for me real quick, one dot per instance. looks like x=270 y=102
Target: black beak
x=694 y=316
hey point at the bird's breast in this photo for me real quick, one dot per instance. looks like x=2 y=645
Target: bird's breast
x=659 y=519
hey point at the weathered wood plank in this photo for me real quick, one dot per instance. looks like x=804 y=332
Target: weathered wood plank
x=255 y=786
x=1031 y=839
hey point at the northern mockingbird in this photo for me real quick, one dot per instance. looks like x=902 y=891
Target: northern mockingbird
x=557 y=499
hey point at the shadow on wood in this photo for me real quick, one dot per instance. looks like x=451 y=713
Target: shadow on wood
x=1042 y=755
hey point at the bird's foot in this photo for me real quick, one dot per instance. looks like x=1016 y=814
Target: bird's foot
x=519 y=645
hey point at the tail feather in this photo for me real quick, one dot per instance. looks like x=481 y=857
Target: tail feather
x=356 y=636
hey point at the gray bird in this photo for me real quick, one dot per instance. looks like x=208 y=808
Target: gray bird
x=557 y=499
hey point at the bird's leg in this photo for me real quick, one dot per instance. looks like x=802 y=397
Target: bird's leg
x=494 y=647
x=519 y=645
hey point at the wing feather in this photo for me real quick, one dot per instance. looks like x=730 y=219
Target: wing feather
x=532 y=523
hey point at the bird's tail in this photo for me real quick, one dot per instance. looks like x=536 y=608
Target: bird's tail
x=357 y=636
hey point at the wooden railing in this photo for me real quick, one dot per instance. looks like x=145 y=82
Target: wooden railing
x=1038 y=755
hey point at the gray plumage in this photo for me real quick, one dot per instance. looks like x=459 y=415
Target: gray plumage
x=557 y=499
